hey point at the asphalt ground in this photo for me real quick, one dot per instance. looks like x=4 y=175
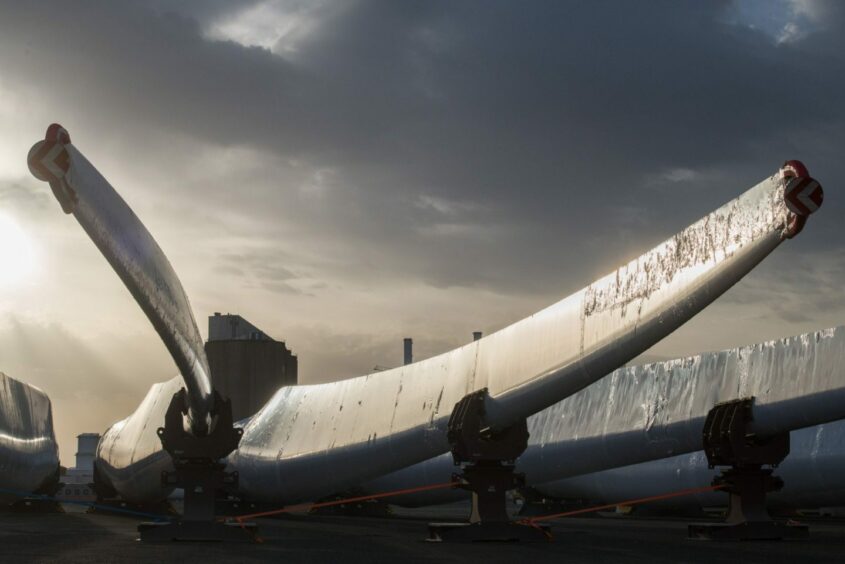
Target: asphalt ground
x=81 y=537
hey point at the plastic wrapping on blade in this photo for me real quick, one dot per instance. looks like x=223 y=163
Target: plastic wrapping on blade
x=659 y=409
x=813 y=475
x=129 y=456
x=29 y=455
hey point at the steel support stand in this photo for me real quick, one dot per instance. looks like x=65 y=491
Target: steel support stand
x=729 y=441
x=199 y=472
x=43 y=499
x=486 y=458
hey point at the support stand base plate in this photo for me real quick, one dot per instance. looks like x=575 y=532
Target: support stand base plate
x=196 y=531
x=487 y=532
x=765 y=530
x=118 y=507
x=36 y=505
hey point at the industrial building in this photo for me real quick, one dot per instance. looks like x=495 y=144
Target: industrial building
x=76 y=481
x=247 y=366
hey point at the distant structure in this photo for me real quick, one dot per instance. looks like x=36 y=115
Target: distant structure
x=231 y=327
x=408 y=343
x=247 y=366
x=77 y=480
x=409 y=351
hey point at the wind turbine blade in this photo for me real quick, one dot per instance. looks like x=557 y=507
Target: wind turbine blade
x=140 y=263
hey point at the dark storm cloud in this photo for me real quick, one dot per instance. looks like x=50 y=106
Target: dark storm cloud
x=548 y=123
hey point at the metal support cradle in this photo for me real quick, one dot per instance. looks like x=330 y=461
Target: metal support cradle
x=199 y=472
x=486 y=458
x=729 y=441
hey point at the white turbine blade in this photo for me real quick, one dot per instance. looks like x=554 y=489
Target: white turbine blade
x=140 y=263
x=310 y=441
x=29 y=455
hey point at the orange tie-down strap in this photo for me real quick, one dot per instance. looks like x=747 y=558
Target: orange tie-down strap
x=639 y=501
x=309 y=506
x=531 y=521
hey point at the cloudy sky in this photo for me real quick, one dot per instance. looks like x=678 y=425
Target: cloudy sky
x=345 y=174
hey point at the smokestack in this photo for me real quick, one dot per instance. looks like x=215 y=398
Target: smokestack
x=409 y=350
x=476 y=335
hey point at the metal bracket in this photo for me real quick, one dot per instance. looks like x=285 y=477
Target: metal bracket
x=472 y=440
x=486 y=458
x=729 y=441
x=199 y=472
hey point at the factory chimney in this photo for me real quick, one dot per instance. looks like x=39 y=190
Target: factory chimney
x=409 y=350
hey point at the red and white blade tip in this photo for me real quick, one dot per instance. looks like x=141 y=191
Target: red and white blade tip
x=802 y=194
x=57 y=133
x=794 y=168
x=48 y=160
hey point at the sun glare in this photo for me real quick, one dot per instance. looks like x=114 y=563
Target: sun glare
x=17 y=253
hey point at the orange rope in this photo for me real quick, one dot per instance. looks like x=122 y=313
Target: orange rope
x=252 y=533
x=308 y=506
x=531 y=521
x=679 y=493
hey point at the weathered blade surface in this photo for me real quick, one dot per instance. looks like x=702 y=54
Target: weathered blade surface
x=309 y=441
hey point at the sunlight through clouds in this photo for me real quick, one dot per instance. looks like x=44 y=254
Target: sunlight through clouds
x=275 y=25
x=785 y=21
x=17 y=254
